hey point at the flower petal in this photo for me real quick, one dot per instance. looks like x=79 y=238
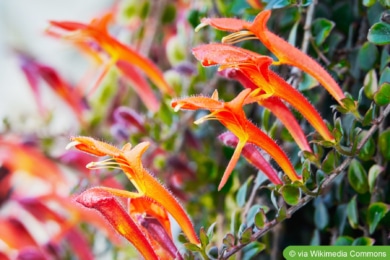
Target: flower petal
x=112 y=210
x=253 y=156
x=288 y=54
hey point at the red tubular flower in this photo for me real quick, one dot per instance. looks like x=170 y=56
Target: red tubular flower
x=232 y=116
x=129 y=160
x=255 y=67
x=112 y=210
x=285 y=52
x=123 y=56
x=253 y=156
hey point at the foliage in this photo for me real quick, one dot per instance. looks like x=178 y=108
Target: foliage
x=312 y=122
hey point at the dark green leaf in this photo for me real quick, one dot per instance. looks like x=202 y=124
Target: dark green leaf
x=321 y=29
x=385 y=76
x=376 y=211
x=352 y=213
x=369 y=116
x=367 y=56
x=379 y=33
x=321 y=217
x=316 y=238
x=373 y=173
x=382 y=97
x=384 y=144
x=370 y=84
x=290 y=193
x=169 y=14
x=363 y=241
x=368 y=150
x=330 y=162
x=343 y=241
x=357 y=177
x=385 y=59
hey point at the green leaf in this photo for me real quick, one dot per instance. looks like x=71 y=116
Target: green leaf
x=363 y=241
x=253 y=249
x=343 y=241
x=382 y=97
x=282 y=213
x=373 y=173
x=352 y=213
x=385 y=59
x=246 y=235
x=321 y=29
x=369 y=3
x=210 y=231
x=307 y=82
x=384 y=144
x=330 y=162
x=369 y=116
x=376 y=211
x=252 y=212
x=385 y=3
x=379 y=33
x=169 y=14
x=235 y=222
x=357 y=177
x=192 y=247
x=204 y=239
x=260 y=219
x=385 y=76
x=367 y=56
x=316 y=238
x=370 y=84
x=368 y=150
x=290 y=193
x=228 y=240
x=321 y=217
x=241 y=194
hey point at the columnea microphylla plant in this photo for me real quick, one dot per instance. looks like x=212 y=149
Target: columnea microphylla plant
x=299 y=154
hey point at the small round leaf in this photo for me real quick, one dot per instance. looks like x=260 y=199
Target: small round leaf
x=379 y=33
x=357 y=177
x=290 y=193
x=376 y=211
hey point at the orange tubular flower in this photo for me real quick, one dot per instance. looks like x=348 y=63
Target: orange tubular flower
x=285 y=52
x=253 y=156
x=255 y=67
x=276 y=106
x=129 y=160
x=232 y=116
x=123 y=56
